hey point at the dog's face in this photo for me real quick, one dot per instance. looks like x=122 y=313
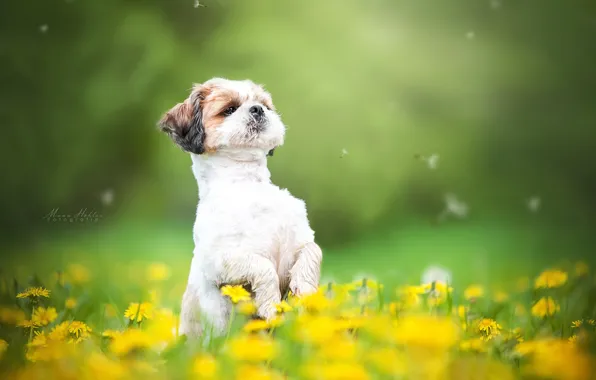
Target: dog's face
x=222 y=113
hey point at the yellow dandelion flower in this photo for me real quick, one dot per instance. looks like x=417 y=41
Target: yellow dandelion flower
x=78 y=274
x=158 y=272
x=387 y=361
x=253 y=348
x=111 y=333
x=576 y=324
x=591 y=322
x=473 y=292
x=462 y=311
x=246 y=308
x=79 y=331
x=60 y=332
x=473 y=345
x=28 y=324
x=573 y=339
x=139 y=312
x=129 y=341
x=256 y=372
x=315 y=329
x=426 y=331
x=500 y=297
x=3 y=347
x=410 y=296
x=164 y=325
x=336 y=371
x=315 y=302
x=339 y=348
x=556 y=359
x=489 y=328
x=581 y=268
x=546 y=306
x=283 y=307
x=205 y=367
x=256 y=325
x=11 y=315
x=552 y=278
x=34 y=292
x=99 y=366
x=44 y=316
x=236 y=293
x=70 y=303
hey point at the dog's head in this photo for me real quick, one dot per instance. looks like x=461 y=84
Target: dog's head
x=223 y=113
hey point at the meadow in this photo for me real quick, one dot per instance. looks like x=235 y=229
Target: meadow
x=97 y=314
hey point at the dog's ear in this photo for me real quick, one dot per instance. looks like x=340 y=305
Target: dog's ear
x=184 y=124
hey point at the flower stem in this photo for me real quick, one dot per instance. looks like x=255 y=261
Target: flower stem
x=232 y=315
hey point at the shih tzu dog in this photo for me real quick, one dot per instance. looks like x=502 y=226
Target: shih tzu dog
x=247 y=230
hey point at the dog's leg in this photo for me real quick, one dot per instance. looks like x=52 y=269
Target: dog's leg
x=306 y=272
x=260 y=273
x=204 y=313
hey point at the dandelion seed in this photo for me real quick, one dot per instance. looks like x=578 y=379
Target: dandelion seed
x=495 y=4
x=344 y=152
x=198 y=4
x=107 y=197
x=534 y=203
x=470 y=35
x=43 y=28
x=435 y=274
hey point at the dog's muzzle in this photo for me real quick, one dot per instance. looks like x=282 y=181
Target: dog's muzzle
x=258 y=118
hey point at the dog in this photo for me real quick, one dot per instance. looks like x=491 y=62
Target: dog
x=247 y=230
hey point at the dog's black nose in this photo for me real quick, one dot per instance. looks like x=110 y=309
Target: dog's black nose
x=256 y=111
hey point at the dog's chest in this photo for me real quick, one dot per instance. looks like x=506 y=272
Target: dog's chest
x=259 y=217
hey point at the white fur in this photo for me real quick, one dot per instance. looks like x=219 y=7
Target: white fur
x=247 y=230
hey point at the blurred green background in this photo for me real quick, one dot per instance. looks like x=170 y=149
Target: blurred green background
x=390 y=105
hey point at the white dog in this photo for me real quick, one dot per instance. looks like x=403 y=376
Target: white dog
x=247 y=230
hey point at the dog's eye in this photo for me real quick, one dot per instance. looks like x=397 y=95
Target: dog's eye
x=230 y=110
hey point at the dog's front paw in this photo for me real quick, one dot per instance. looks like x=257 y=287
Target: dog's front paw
x=301 y=288
x=267 y=311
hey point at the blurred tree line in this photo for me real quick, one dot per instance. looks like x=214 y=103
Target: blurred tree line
x=503 y=91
